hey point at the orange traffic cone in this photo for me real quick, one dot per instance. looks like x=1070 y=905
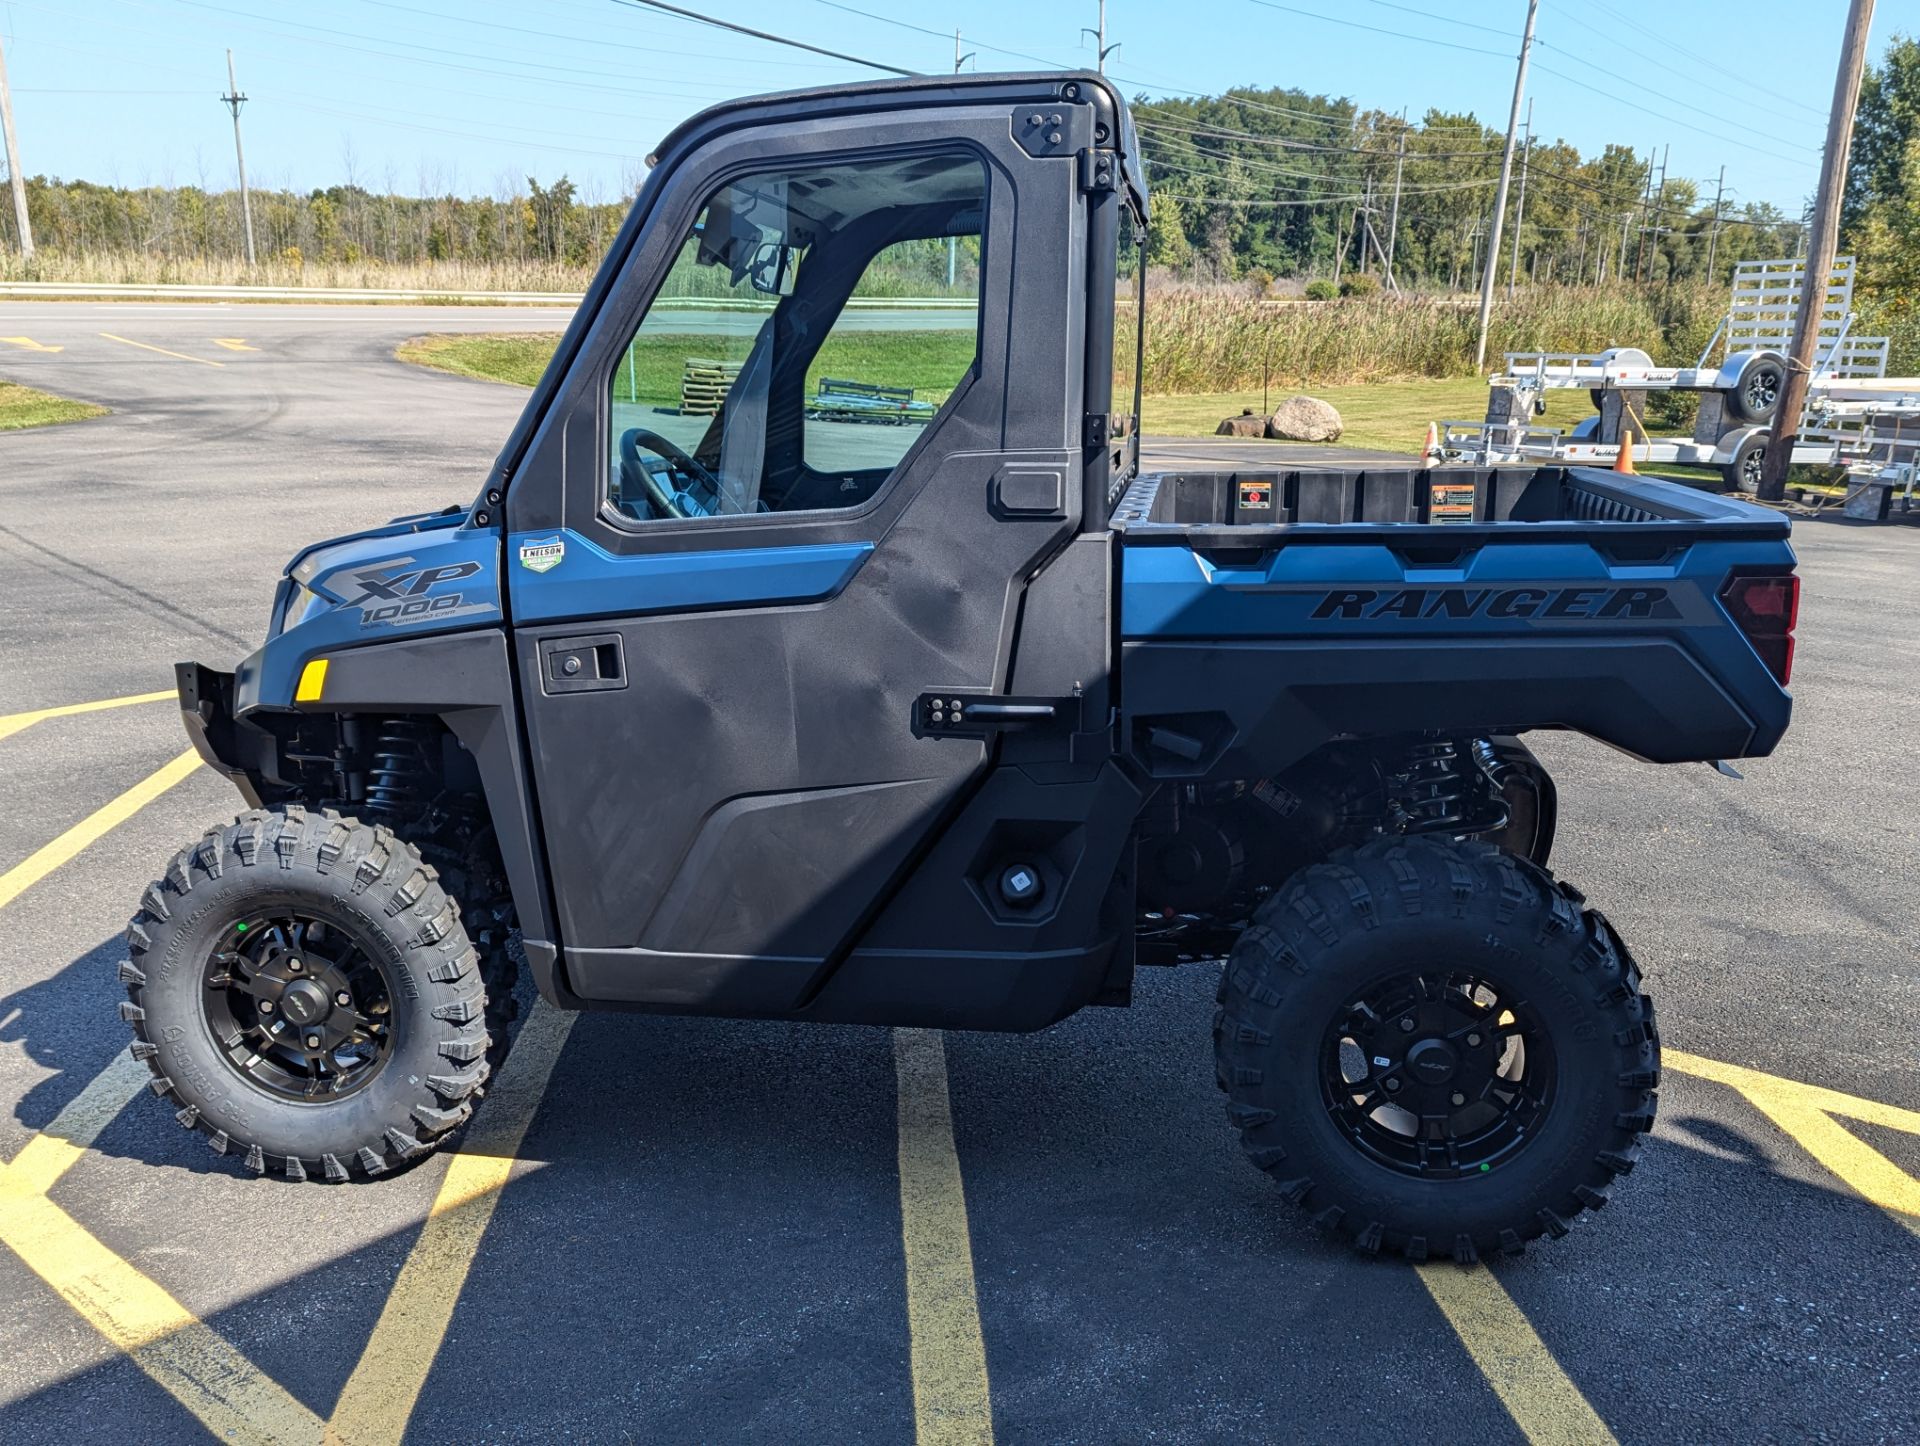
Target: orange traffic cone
x=1623 y=459
x=1432 y=452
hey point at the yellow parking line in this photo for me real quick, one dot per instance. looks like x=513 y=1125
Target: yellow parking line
x=1544 y=1403
x=226 y=1391
x=385 y=1386
x=951 y=1402
x=12 y=723
x=37 y=865
x=180 y=355
x=233 y=343
x=1806 y=1113
x=231 y=1395
x=55 y=1150
x=27 y=343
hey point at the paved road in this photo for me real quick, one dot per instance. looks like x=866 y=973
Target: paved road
x=703 y=1239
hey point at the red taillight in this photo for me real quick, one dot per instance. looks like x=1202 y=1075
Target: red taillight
x=1766 y=609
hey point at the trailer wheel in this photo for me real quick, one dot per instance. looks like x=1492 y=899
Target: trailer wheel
x=1435 y=1050
x=1749 y=462
x=1756 y=394
x=304 y=993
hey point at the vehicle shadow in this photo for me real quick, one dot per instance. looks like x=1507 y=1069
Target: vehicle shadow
x=705 y=1244
x=67 y=1023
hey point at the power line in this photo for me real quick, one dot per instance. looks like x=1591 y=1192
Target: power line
x=1673 y=120
x=1376 y=30
x=1703 y=61
x=767 y=35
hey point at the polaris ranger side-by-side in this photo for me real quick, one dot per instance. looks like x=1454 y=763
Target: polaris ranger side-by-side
x=721 y=701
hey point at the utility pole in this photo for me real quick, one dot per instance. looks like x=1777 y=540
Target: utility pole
x=953 y=242
x=1393 y=216
x=14 y=178
x=234 y=100
x=1713 y=236
x=1820 y=248
x=1520 y=206
x=1101 y=49
x=1657 y=216
x=1500 y=195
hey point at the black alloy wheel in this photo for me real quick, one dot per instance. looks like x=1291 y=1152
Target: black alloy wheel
x=1438 y=1076
x=299 y=1006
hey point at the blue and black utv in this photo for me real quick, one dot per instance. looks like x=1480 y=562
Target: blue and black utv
x=809 y=656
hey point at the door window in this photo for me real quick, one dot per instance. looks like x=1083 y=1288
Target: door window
x=813 y=324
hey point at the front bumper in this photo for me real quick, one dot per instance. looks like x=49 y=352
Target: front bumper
x=228 y=746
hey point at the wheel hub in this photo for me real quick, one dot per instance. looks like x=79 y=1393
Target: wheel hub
x=1432 y=1061
x=1437 y=1075
x=303 y=1002
x=298 y=1006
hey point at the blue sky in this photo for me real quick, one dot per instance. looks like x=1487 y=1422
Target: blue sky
x=474 y=95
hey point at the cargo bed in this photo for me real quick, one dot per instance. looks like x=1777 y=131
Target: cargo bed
x=1471 y=505
x=1309 y=605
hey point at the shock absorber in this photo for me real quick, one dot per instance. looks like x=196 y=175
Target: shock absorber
x=400 y=773
x=1444 y=792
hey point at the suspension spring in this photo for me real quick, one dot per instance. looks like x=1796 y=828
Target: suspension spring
x=1447 y=793
x=401 y=774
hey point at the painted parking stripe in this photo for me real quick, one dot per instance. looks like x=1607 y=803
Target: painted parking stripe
x=38 y=864
x=178 y=355
x=225 y=1391
x=1806 y=1112
x=12 y=723
x=1544 y=1403
x=233 y=343
x=385 y=1386
x=27 y=343
x=951 y=1402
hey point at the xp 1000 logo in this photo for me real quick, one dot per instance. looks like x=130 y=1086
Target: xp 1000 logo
x=397 y=594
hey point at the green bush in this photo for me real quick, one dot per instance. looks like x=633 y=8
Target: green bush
x=1360 y=284
x=1321 y=289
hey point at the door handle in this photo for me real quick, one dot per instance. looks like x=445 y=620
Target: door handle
x=594 y=663
x=940 y=715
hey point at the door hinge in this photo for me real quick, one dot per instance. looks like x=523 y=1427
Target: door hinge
x=1099 y=170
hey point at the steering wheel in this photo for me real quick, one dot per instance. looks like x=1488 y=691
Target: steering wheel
x=665 y=502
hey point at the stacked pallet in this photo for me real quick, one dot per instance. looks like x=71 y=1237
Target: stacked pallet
x=704 y=384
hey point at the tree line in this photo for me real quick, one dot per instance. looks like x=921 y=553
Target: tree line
x=1255 y=183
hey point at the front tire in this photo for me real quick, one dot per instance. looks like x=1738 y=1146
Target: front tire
x=304 y=993
x=1434 y=1049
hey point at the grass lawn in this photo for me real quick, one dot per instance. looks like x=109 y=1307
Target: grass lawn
x=931 y=362
x=1391 y=416
x=24 y=407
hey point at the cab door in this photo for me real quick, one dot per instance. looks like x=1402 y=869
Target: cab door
x=771 y=512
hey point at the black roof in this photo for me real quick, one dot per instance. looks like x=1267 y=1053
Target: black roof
x=903 y=92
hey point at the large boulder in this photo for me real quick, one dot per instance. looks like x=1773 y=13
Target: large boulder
x=1247 y=424
x=1305 y=419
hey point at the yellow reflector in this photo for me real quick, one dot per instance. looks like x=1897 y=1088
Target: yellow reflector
x=313 y=678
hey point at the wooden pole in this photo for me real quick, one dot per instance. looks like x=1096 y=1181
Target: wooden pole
x=1820 y=248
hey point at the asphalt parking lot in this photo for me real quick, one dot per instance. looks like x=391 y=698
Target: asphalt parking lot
x=683 y=1230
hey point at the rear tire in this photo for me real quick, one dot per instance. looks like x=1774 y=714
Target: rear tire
x=1325 y=1079
x=346 y=935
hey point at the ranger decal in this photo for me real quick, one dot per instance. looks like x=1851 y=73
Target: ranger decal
x=1412 y=604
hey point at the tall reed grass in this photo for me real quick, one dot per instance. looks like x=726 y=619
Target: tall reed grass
x=1218 y=340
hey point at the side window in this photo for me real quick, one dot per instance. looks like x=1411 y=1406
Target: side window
x=812 y=325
